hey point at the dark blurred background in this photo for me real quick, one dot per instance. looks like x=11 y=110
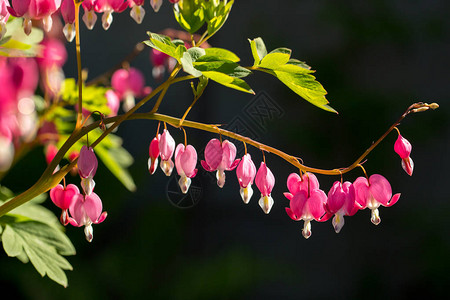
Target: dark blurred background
x=375 y=58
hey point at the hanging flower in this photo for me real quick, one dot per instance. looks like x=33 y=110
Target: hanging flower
x=128 y=84
x=265 y=182
x=153 y=151
x=85 y=211
x=403 y=148
x=374 y=192
x=137 y=12
x=63 y=197
x=341 y=202
x=246 y=172
x=166 y=148
x=221 y=157
x=89 y=16
x=107 y=7
x=185 y=162
x=68 y=14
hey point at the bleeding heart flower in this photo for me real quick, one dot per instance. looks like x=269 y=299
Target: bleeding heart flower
x=403 y=148
x=265 y=182
x=128 y=84
x=166 y=148
x=185 y=161
x=374 y=192
x=341 y=202
x=87 y=210
x=307 y=201
x=89 y=17
x=68 y=14
x=153 y=152
x=221 y=157
x=137 y=12
x=107 y=7
x=246 y=172
x=63 y=197
x=87 y=162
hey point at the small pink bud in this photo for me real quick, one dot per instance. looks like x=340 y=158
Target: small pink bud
x=246 y=172
x=166 y=148
x=87 y=162
x=403 y=148
x=265 y=182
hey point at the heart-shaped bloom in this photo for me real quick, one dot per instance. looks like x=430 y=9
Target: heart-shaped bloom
x=137 y=12
x=68 y=14
x=265 y=181
x=185 y=161
x=87 y=162
x=246 y=172
x=221 y=157
x=403 y=148
x=374 y=192
x=107 y=7
x=166 y=148
x=63 y=197
x=153 y=152
x=34 y=10
x=128 y=84
x=4 y=16
x=89 y=17
x=341 y=202
x=307 y=201
x=87 y=210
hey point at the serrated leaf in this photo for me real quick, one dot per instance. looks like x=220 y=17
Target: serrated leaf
x=12 y=244
x=258 y=49
x=275 y=58
x=228 y=81
x=221 y=54
x=223 y=66
x=306 y=86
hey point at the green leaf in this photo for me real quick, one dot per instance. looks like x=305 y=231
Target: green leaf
x=17 y=43
x=164 y=44
x=306 y=86
x=196 y=53
x=228 y=81
x=189 y=14
x=188 y=67
x=221 y=54
x=276 y=58
x=223 y=66
x=218 y=15
x=258 y=50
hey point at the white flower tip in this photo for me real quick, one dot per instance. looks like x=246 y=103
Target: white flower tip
x=266 y=203
x=48 y=23
x=89 y=19
x=184 y=183
x=220 y=175
x=246 y=193
x=306 y=232
x=6 y=154
x=152 y=165
x=129 y=102
x=89 y=232
x=156 y=5
x=375 y=218
x=88 y=185
x=107 y=19
x=338 y=222
x=69 y=32
x=137 y=13
x=167 y=166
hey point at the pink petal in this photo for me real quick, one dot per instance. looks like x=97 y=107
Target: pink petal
x=213 y=154
x=291 y=214
x=289 y=196
x=87 y=162
x=77 y=211
x=264 y=180
x=315 y=203
x=228 y=156
x=394 y=200
x=166 y=145
x=293 y=183
x=93 y=206
x=188 y=161
x=298 y=203
x=178 y=151
x=233 y=165
x=336 y=197
x=408 y=165
x=361 y=191
x=19 y=7
x=101 y=218
x=68 y=11
x=206 y=166
x=153 y=149
x=402 y=147
x=350 y=207
x=246 y=171
x=380 y=189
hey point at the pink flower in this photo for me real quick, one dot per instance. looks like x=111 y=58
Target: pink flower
x=137 y=11
x=87 y=210
x=89 y=17
x=221 y=157
x=153 y=151
x=107 y=7
x=374 y=192
x=307 y=201
x=341 y=202
x=54 y=54
x=185 y=161
x=87 y=162
x=113 y=102
x=265 y=182
x=128 y=84
x=166 y=148
x=246 y=172
x=34 y=10
x=403 y=148
x=24 y=75
x=63 y=197
x=68 y=14
x=4 y=16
